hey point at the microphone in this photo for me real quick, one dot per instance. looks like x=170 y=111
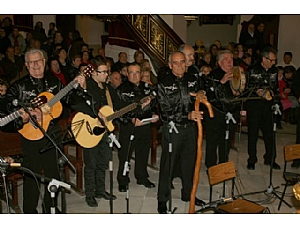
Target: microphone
x=6 y=165
x=16 y=103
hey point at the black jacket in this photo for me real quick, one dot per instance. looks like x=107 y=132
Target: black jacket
x=218 y=94
x=260 y=78
x=26 y=89
x=174 y=97
x=96 y=97
x=129 y=93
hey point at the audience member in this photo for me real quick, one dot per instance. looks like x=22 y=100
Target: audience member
x=287 y=60
x=122 y=59
x=138 y=57
x=52 y=30
x=39 y=32
x=4 y=42
x=11 y=65
x=16 y=39
x=115 y=79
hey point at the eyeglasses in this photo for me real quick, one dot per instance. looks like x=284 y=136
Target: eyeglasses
x=132 y=72
x=272 y=60
x=32 y=63
x=102 y=72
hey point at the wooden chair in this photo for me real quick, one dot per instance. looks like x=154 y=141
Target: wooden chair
x=291 y=153
x=226 y=172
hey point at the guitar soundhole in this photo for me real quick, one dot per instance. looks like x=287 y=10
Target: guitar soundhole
x=98 y=130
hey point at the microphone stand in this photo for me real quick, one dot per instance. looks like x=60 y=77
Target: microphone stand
x=111 y=140
x=127 y=162
x=61 y=160
x=172 y=127
x=52 y=186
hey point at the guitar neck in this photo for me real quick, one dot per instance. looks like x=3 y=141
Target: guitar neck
x=5 y=120
x=63 y=92
x=122 y=111
x=127 y=109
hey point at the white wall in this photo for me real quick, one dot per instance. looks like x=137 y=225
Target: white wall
x=289 y=36
x=177 y=23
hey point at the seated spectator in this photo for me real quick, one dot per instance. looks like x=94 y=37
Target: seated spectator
x=245 y=61
x=138 y=57
x=76 y=44
x=145 y=75
x=74 y=68
x=3 y=87
x=289 y=76
x=4 y=42
x=16 y=39
x=115 y=79
x=86 y=57
x=124 y=72
x=236 y=59
x=205 y=70
x=122 y=59
x=146 y=63
x=55 y=69
x=61 y=54
x=39 y=32
x=287 y=60
x=11 y=65
x=52 y=30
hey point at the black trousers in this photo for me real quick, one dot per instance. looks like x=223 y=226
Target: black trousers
x=216 y=138
x=184 y=150
x=260 y=117
x=36 y=162
x=141 y=146
x=96 y=161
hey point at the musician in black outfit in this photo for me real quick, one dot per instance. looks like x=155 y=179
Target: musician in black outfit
x=221 y=128
x=24 y=90
x=262 y=80
x=96 y=159
x=129 y=92
x=176 y=106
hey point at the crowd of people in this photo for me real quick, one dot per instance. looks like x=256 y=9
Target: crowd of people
x=52 y=63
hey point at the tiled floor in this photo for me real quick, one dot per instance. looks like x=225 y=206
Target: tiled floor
x=141 y=200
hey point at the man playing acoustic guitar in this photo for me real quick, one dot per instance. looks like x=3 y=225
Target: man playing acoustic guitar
x=24 y=91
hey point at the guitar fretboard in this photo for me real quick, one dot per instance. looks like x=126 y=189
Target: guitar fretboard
x=126 y=109
x=5 y=120
x=63 y=92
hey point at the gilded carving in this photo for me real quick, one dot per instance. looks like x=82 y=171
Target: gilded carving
x=157 y=38
x=171 y=47
x=140 y=24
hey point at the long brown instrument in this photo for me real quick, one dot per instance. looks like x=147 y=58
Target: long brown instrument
x=200 y=97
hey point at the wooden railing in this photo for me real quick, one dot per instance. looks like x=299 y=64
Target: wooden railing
x=153 y=35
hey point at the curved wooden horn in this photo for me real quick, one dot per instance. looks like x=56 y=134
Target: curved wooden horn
x=200 y=97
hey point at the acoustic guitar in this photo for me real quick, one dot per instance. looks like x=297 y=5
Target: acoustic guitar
x=14 y=115
x=88 y=131
x=51 y=109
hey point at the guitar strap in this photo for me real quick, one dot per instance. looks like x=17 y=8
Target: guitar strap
x=108 y=98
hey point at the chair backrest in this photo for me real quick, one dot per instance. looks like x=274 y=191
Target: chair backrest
x=291 y=152
x=221 y=172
